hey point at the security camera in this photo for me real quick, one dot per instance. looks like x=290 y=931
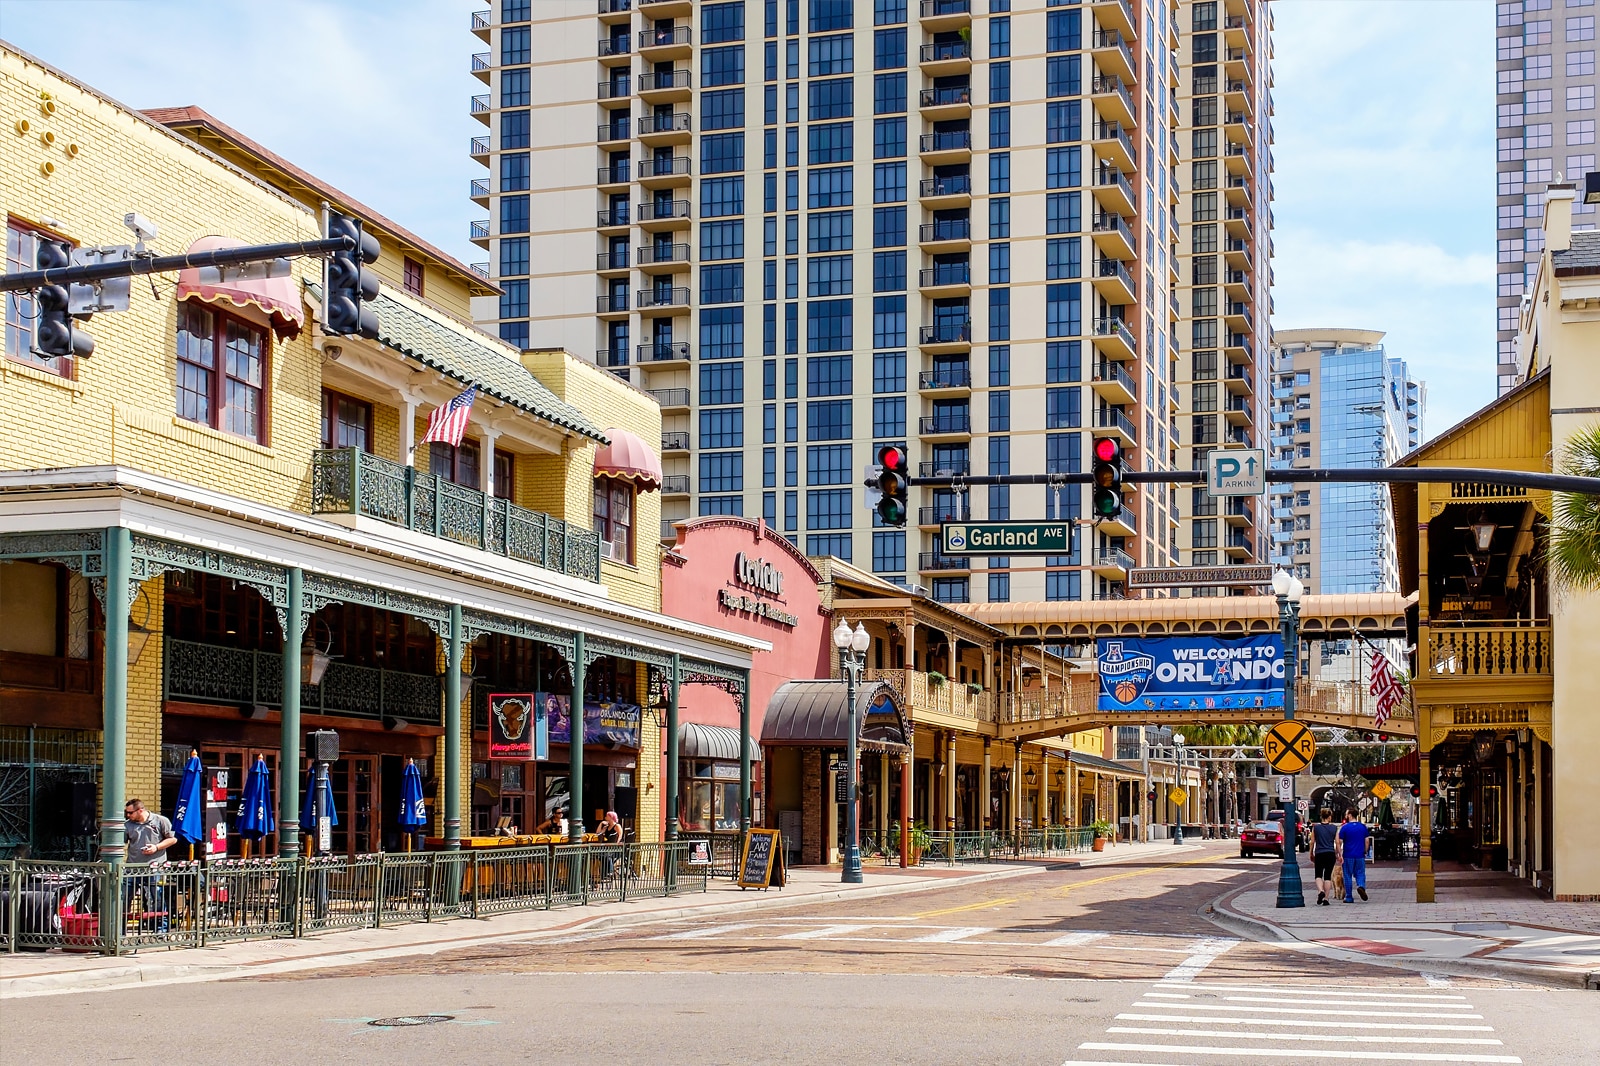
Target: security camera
x=333 y=351
x=142 y=227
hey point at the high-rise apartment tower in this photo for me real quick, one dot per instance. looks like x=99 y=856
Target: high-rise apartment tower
x=811 y=227
x=1545 y=111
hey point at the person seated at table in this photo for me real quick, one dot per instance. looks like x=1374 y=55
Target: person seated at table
x=610 y=833
x=556 y=823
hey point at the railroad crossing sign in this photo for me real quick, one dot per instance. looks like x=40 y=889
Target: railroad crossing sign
x=1288 y=747
x=1382 y=790
x=1178 y=796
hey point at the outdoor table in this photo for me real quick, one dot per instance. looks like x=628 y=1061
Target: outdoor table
x=483 y=877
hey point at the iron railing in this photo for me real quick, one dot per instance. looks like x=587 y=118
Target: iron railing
x=98 y=907
x=350 y=481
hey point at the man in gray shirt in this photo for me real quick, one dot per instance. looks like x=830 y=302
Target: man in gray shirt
x=149 y=836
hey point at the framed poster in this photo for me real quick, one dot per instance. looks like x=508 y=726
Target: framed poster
x=519 y=727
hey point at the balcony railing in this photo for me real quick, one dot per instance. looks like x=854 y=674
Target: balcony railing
x=613 y=216
x=614 y=89
x=955 y=274
x=480 y=269
x=951 y=512
x=1116 y=327
x=677 y=122
x=945 y=51
x=614 y=174
x=1109 y=370
x=611 y=303
x=480 y=104
x=666 y=79
x=1111 y=418
x=1113 y=268
x=947 y=377
x=936 y=561
x=671 y=397
x=946 y=333
x=479 y=230
x=616 y=130
x=1106 y=558
x=675 y=441
x=674 y=297
x=614 y=259
x=614 y=46
x=480 y=20
x=1465 y=650
x=651 y=254
x=930 y=425
x=675 y=484
x=948 y=141
x=210 y=673
x=954 y=229
x=658 y=351
x=954 y=185
x=479 y=146
x=611 y=357
x=350 y=481
x=947 y=96
x=1111 y=177
x=480 y=189
x=676 y=166
x=935 y=8
x=944 y=467
x=664 y=37
x=947 y=697
x=650 y=211
x=481 y=62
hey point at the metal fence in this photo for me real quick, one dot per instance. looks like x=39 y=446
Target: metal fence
x=986 y=845
x=724 y=852
x=96 y=907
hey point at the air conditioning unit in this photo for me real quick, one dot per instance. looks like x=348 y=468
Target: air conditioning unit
x=609 y=550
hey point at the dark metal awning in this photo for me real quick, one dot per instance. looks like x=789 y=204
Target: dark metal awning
x=696 y=741
x=1405 y=768
x=1095 y=764
x=812 y=714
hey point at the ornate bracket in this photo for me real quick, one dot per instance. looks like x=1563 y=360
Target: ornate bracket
x=475 y=623
x=319 y=590
x=600 y=647
x=153 y=557
x=82 y=552
x=729 y=680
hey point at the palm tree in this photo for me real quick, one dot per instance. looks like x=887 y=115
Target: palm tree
x=1573 y=548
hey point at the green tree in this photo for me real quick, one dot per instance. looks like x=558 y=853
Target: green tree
x=1573 y=548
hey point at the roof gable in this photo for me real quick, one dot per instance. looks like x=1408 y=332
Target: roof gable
x=1514 y=427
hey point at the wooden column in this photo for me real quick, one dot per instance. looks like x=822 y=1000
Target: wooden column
x=985 y=798
x=1424 y=813
x=905 y=804
x=950 y=780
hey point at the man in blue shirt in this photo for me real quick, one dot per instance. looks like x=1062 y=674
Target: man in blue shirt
x=1353 y=842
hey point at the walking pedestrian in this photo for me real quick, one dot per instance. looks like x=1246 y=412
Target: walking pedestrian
x=1353 y=838
x=1324 y=845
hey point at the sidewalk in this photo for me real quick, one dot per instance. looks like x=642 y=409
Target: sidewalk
x=1483 y=924
x=35 y=974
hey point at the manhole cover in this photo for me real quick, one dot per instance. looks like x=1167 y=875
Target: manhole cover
x=411 y=1019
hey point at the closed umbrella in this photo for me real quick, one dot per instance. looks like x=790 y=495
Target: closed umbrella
x=413 y=811
x=308 y=814
x=255 y=819
x=189 y=816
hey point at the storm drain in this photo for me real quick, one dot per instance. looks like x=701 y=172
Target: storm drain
x=411 y=1019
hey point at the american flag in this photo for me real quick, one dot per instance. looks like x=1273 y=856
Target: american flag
x=449 y=423
x=1386 y=687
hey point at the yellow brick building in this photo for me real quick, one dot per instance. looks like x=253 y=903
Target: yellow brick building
x=222 y=528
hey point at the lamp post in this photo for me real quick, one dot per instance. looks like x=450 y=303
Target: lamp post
x=1288 y=590
x=1177 y=818
x=852 y=656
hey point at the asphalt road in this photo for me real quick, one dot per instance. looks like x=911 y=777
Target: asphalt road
x=1103 y=965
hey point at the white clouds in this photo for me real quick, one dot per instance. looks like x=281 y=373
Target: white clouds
x=1384 y=177
x=371 y=97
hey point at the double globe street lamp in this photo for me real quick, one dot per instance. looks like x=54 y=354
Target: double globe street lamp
x=1288 y=589
x=852 y=645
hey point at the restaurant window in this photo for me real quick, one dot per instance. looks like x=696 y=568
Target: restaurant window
x=413 y=276
x=505 y=475
x=711 y=798
x=613 y=516
x=346 y=422
x=458 y=464
x=222 y=371
x=21 y=310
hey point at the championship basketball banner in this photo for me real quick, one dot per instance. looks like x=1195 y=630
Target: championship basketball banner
x=1190 y=673
x=519 y=727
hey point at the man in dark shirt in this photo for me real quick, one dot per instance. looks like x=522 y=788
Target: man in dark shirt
x=1353 y=839
x=1324 y=837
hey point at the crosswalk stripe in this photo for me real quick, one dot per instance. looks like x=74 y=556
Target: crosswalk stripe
x=1072 y=940
x=1341 y=1038
x=1324 y=992
x=1205 y=953
x=708 y=931
x=1285 y=1022
x=1292 y=1053
x=823 y=932
x=950 y=936
x=1273 y=999
x=1311 y=1011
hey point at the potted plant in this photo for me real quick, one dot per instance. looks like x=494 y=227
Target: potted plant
x=919 y=843
x=975 y=689
x=1102 y=833
x=935 y=679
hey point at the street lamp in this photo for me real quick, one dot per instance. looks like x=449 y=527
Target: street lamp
x=1177 y=821
x=852 y=647
x=1288 y=590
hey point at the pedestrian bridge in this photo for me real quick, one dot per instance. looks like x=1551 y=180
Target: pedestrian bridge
x=1071 y=707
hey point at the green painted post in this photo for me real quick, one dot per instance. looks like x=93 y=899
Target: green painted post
x=289 y=730
x=745 y=806
x=355 y=480
x=575 y=745
x=119 y=566
x=672 y=747
x=451 y=782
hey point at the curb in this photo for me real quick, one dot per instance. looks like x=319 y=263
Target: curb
x=135 y=975
x=1219 y=912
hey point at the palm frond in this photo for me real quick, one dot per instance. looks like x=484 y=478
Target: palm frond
x=1572 y=551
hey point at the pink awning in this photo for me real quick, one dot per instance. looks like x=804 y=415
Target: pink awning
x=629 y=457
x=278 y=297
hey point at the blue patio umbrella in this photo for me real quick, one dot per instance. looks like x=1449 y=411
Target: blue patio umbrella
x=189 y=816
x=413 y=811
x=308 y=816
x=256 y=819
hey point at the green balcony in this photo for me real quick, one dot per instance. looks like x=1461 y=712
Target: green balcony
x=350 y=481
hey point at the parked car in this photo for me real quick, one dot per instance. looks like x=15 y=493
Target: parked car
x=1261 y=836
x=1302 y=829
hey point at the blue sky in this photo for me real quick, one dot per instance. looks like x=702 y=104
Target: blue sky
x=1384 y=132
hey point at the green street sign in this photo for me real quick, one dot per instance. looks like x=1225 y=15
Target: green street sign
x=1006 y=538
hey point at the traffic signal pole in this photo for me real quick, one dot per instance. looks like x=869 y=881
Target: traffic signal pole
x=1408 y=475
x=164 y=264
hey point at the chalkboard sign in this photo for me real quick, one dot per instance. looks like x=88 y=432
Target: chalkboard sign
x=761 y=860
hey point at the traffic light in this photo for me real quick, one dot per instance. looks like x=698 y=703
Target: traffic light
x=57 y=333
x=891 y=485
x=1107 y=477
x=351 y=286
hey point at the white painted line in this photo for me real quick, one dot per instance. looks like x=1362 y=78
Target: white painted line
x=1293 y=1053
x=1129 y=1017
x=1324 y=991
x=1310 y=1011
x=1205 y=953
x=950 y=936
x=1072 y=940
x=708 y=931
x=1167 y=995
x=822 y=932
x=1272 y=999
x=1342 y=1038
x=848 y=918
